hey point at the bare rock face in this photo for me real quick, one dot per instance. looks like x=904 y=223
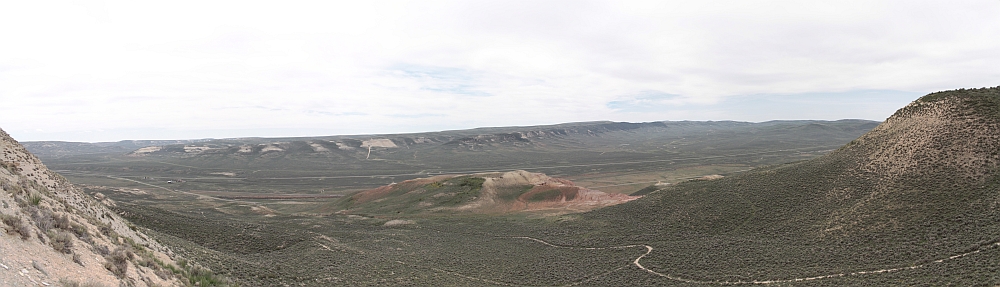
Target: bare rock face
x=52 y=233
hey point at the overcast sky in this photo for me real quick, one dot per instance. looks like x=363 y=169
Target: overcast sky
x=108 y=71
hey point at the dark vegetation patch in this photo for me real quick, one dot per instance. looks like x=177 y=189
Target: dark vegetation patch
x=226 y=235
x=547 y=195
x=465 y=188
x=61 y=241
x=118 y=261
x=415 y=196
x=362 y=252
x=645 y=190
x=512 y=193
x=16 y=225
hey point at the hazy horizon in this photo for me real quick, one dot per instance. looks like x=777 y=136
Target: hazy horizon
x=306 y=135
x=102 y=71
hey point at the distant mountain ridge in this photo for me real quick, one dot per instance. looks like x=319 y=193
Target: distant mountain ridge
x=471 y=139
x=58 y=148
x=563 y=150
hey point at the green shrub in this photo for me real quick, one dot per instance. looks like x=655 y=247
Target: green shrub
x=10 y=220
x=71 y=283
x=102 y=250
x=42 y=217
x=106 y=230
x=200 y=276
x=61 y=241
x=118 y=261
x=61 y=221
x=76 y=259
x=79 y=229
x=17 y=225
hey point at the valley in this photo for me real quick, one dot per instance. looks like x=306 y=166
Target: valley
x=910 y=201
x=610 y=157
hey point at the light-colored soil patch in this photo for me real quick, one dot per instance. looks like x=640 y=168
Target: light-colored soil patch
x=245 y=149
x=710 y=177
x=378 y=143
x=343 y=146
x=396 y=222
x=17 y=257
x=135 y=191
x=196 y=149
x=271 y=147
x=147 y=150
x=318 y=148
x=263 y=210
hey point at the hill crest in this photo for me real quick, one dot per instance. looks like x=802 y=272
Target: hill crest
x=951 y=132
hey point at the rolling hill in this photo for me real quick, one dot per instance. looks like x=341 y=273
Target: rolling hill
x=490 y=193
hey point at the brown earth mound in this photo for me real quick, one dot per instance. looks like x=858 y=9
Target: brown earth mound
x=383 y=191
x=505 y=192
x=561 y=193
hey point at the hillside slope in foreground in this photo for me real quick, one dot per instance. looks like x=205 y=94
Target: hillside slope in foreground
x=914 y=201
x=52 y=233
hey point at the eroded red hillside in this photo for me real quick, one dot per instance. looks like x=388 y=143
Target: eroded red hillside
x=504 y=192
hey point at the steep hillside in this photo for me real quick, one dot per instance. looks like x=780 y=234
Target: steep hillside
x=53 y=233
x=479 y=193
x=917 y=199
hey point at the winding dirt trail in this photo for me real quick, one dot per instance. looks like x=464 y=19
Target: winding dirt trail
x=649 y=249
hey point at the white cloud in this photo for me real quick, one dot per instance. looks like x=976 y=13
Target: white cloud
x=246 y=68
